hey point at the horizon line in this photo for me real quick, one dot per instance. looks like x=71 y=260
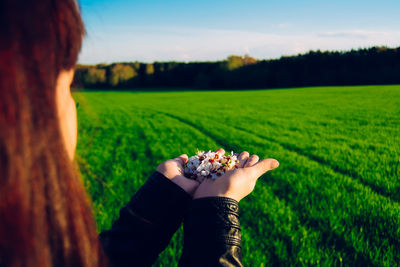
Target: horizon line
x=244 y=55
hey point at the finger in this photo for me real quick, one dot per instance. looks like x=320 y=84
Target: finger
x=251 y=161
x=263 y=166
x=220 y=152
x=243 y=158
x=182 y=159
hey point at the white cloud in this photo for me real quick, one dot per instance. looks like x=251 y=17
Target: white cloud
x=183 y=44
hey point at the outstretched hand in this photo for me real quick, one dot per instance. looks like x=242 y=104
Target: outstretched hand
x=173 y=170
x=239 y=182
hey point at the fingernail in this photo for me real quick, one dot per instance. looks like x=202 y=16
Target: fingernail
x=274 y=164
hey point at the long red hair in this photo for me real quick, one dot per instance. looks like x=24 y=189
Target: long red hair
x=45 y=215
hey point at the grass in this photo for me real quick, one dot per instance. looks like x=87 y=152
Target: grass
x=334 y=200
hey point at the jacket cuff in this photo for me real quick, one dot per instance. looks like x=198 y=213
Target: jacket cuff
x=160 y=201
x=213 y=221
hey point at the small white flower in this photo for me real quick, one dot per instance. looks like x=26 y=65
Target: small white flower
x=204 y=172
x=216 y=165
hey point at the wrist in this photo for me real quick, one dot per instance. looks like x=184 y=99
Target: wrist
x=215 y=195
x=189 y=186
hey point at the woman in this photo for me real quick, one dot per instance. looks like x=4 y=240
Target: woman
x=45 y=215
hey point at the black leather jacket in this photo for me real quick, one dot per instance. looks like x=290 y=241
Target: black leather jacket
x=148 y=222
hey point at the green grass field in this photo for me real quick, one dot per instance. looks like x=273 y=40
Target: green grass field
x=334 y=200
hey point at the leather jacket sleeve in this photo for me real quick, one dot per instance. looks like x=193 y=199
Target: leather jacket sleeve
x=146 y=224
x=212 y=233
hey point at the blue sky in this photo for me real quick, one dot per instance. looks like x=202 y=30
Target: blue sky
x=162 y=30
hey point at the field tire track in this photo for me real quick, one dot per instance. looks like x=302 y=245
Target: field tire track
x=219 y=141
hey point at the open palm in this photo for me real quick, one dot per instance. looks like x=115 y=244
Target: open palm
x=173 y=170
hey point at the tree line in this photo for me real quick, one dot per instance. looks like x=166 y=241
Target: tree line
x=375 y=65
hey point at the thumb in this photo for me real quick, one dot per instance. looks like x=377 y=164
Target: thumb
x=263 y=166
x=182 y=159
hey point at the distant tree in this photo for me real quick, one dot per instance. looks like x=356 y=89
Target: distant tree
x=149 y=69
x=121 y=73
x=94 y=76
x=136 y=66
x=248 y=60
x=234 y=62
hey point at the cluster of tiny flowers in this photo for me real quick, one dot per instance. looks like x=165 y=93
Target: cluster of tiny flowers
x=209 y=165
